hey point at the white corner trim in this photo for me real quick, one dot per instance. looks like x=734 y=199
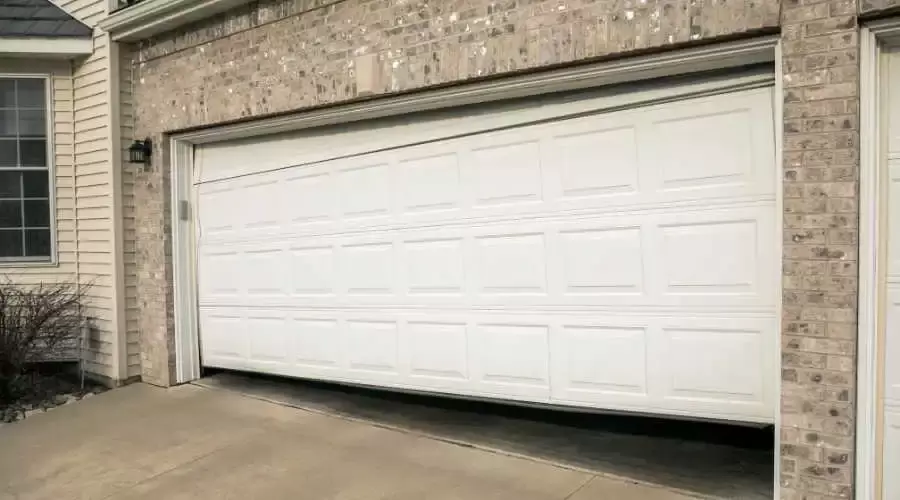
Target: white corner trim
x=150 y=17
x=778 y=111
x=187 y=339
x=867 y=350
x=46 y=48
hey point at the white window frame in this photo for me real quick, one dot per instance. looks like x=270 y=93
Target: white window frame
x=874 y=38
x=53 y=259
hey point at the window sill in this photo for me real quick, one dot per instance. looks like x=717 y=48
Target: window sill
x=150 y=17
x=6 y=264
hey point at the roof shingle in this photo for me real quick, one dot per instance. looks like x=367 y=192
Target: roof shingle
x=38 y=18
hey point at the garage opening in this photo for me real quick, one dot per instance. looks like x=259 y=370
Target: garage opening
x=613 y=250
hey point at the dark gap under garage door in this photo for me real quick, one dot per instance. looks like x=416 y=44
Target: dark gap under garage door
x=706 y=458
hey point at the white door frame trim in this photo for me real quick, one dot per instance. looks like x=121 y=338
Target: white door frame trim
x=722 y=56
x=873 y=38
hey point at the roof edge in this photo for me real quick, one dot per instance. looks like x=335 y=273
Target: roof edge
x=151 y=17
x=46 y=47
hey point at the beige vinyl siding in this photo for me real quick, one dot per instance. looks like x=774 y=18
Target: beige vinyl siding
x=91 y=206
x=126 y=127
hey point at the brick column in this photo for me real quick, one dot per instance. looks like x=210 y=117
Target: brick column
x=821 y=204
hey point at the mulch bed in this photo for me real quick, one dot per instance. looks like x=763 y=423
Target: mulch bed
x=49 y=386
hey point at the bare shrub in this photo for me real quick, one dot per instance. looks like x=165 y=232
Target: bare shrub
x=37 y=323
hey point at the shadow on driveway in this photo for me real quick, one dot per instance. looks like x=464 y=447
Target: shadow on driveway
x=709 y=459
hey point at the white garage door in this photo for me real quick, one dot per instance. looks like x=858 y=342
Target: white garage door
x=547 y=253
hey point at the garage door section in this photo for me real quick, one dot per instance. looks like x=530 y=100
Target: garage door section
x=616 y=260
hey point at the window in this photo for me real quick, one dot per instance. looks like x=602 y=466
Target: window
x=25 y=219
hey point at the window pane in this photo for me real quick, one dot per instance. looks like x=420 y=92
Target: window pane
x=7 y=93
x=31 y=123
x=36 y=185
x=33 y=152
x=10 y=213
x=10 y=184
x=31 y=93
x=37 y=242
x=37 y=213
x=9 y=156
x=8 y=123
x=11 y=243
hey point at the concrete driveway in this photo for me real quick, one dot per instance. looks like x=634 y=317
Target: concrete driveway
x=195 y=442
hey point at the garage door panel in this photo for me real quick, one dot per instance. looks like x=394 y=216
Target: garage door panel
x=315 y=342
x=575 y=262
x=892 y=344
x=891 y=457
x=534 y=170
x=709 y=258
x=225 y=343
x=624 y=361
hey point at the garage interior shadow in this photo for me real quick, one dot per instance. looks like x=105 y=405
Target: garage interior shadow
x=709 y=459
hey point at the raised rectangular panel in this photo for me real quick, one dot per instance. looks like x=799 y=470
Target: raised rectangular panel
x=310 y=198
x=511 y=263
x=268 y=339
x=606 y=260
x=216 y=214
x=607 y=360
x=224 y=336
x=894 y=221
x=705 y=150
x=263 y=272
x=365 y=190
x=512 y=354
x=891 y=454
x=258 y=205
x=219 y=274
x=893 y=108
x=312 y=270
x=596 y=162
x=430 y=183
x=372 y=345
x=316 y=342
x=368 y=269
x=711 y=257
x=434 y=266
x=715 y=364
x=438 y=350
x=892 y=344
x=507 y=173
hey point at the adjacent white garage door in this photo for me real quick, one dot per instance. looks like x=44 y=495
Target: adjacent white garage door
x=547 y=253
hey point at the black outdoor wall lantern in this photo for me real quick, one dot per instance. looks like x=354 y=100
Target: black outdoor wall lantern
x=140 y=152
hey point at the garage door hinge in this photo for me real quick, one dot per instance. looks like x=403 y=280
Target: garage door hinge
x=184 y=210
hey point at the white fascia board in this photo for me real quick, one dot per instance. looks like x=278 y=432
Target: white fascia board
x=150 y=17
x=46 y=48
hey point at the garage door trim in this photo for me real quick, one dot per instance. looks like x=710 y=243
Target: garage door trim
x=181 y=145
x=874 y=38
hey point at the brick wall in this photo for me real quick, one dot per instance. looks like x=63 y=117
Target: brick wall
x=821 y=172
x=277 y=56
x=286 y=55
